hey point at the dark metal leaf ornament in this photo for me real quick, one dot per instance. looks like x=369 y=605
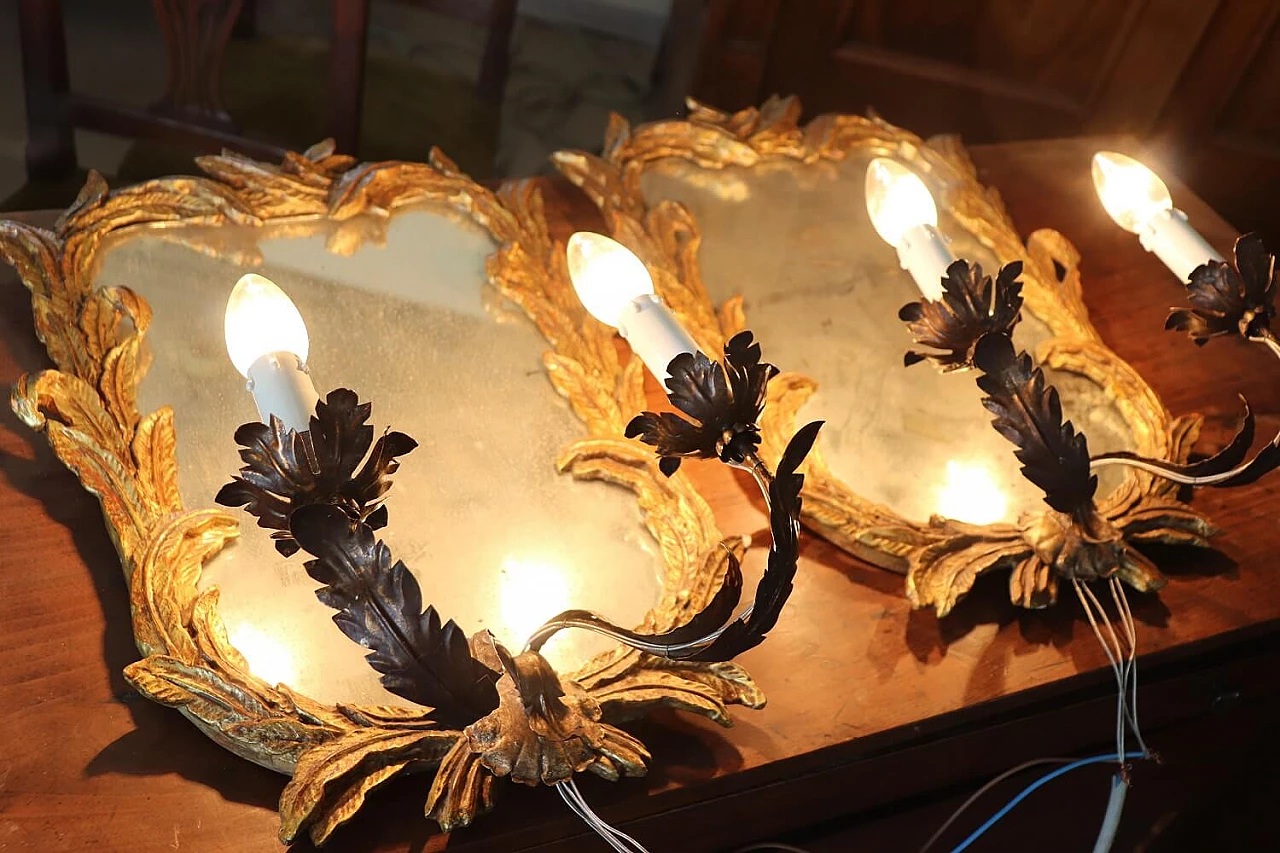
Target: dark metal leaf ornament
x=1223 y=469
x=972 y=326
x=284 y=470
x=321 y=490
x=1028 y=413
x=1226 y=300
x=379 y=606
x=1075 y=539
x=711 y=635
x=723 y=403
x=972 y=305
x=749 y=629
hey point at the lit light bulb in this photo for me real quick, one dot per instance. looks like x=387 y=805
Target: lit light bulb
x=267 y=342
x=904 y=215
x=897 y=200
x=607 y=276
x=1132 y=194
x=616 y=289
x=261 y=320
x=1139 y=201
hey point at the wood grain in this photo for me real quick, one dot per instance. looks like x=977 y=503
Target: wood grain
x=1200 y=78
x=871 y=705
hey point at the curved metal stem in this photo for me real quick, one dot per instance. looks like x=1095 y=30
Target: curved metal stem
x=607 y=629
x=1269 y=339
x=599 y=625
x=1156 y=468
x=1207 y=480
x=760 y=472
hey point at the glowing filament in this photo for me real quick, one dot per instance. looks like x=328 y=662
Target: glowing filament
x=897 y=200
x=261 y=320
x=1131 y=193
x=607 y=275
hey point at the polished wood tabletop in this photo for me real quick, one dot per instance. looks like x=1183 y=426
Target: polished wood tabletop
x=874 y=709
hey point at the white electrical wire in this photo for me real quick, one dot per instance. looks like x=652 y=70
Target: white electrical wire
x=1184 y=479
x=1131 y=631
x=1087 y=601
x=1271 y=343
x=618 y=840
x=1125 y=666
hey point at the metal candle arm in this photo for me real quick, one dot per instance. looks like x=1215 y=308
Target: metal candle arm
x=1225 y=299
x=971 y=326
x=322 y=489
x=590 y=621
x=759 y=472
x=723 y=402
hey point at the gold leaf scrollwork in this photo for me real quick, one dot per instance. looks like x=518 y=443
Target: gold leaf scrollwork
x=941 y=558
x=88 y=409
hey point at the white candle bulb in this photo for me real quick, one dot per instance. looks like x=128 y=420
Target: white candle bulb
x=616 y=289
x=267 y=343
x=1139 y=202
x=905 y=216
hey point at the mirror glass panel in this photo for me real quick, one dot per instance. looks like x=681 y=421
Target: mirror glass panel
x=496 y=537
x=821 y=292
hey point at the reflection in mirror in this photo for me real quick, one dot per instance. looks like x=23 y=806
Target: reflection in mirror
x=822 y=287
x=496 y=537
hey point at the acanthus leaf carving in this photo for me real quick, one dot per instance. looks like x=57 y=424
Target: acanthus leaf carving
x=127 y=458
x=941 y=557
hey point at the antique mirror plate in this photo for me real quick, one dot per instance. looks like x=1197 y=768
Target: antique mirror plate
x=497 y=537
x=793 y=239
x=752 y=219
x=434 y=298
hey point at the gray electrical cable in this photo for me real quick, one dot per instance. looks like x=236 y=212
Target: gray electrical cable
x=1111 y=820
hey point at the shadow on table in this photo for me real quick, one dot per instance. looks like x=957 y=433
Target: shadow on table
x=163 y=742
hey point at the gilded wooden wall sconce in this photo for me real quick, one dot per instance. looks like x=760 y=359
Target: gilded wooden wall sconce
x=477 y=709
x=753 y=215
x=968 y=322
x=971 y=327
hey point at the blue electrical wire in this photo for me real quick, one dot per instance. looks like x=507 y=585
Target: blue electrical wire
x=1039 y=783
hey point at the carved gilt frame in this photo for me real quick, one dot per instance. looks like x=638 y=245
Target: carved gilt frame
x=941 y=558
x=87 y=407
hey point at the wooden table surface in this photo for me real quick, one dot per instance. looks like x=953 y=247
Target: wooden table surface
x=873 y=709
